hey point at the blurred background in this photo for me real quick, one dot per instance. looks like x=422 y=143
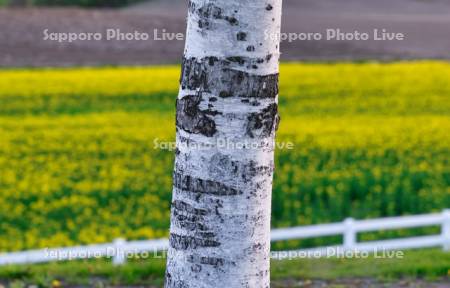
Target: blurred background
x=425 y=24
x=80 y=123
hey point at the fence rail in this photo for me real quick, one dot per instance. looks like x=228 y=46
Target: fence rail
x=120 y=249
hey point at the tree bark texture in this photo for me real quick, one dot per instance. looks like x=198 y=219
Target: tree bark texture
x=227 y=116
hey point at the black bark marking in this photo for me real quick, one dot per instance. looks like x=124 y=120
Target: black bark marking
x=206 y=13
x=252 y=170
x=185 y=207
x=264 y=123
x=212 y=60
x=197 y=185
x=203 y=234
x=202 y=24
x=222 y=166
x=188 y=222
x=209 y=12
x=188 y=217
x=193 y=120
x=237 y=59
x=191 y=219
x=241 y=36
x=251 y=48
x=182 y=242
x=191 y=6
x=232 y=20
x=218 y=77
x=196 y=268
x=269 y=7
x=172 y=283
x=204 y=260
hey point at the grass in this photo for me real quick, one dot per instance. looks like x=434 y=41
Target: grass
x=429 y=265
x=78 y=161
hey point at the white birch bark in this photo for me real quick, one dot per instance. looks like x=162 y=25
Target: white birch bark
x=227 y=115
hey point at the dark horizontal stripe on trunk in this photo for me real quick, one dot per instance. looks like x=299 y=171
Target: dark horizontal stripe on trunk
x=182 y=206
x=213 y=261
x=181 y=242
x=220 y=77
x=197 y=185
x=187 y=217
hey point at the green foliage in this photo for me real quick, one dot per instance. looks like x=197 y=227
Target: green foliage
x=78 y=162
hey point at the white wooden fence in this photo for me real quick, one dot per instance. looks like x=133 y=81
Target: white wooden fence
x=120 y=249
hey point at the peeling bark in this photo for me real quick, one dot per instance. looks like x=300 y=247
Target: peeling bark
x=227 y=117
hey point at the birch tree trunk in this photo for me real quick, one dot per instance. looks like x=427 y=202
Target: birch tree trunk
x=227 y=115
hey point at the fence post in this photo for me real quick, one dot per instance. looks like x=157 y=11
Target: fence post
x=119 y=252
x=349 y=234
x=445 y=231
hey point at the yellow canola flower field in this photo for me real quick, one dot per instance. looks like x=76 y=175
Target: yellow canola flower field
x=81 y=158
